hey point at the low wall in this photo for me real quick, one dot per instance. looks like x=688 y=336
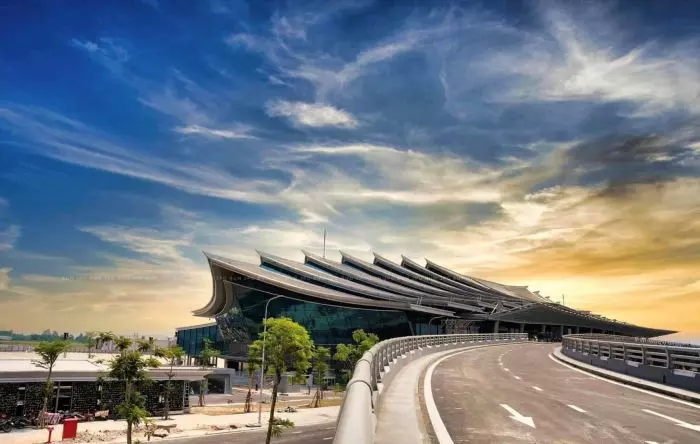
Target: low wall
x=379 y=366
x=683 y=379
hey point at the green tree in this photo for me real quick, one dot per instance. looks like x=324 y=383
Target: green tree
x=146 y=346
x=91 y=342
x=348 y=354
x=254 y=357
x=172 y=355
x=288 y=347
x=104 y=337
x=320 y=365
x=208 y=354
x=48 y=355
x=130 y=368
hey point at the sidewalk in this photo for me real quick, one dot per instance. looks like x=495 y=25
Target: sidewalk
x=400 y=418
x=190 y=425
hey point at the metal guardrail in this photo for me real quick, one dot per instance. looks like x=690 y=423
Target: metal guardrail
x=355 y=420
x=639 y=350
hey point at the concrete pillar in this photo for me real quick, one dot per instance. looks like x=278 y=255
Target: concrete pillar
x=561 y=331
x=496 y=326
x=544 y=328
x=522 y=327
x=577 y=329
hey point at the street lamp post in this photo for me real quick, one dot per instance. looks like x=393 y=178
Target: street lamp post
x=262 y=360
x=431 y=320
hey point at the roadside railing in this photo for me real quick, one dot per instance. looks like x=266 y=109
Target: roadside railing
x=640 y=351
x=356 y=420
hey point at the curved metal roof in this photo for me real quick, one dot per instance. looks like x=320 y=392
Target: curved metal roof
x=417 y=268
x=388 y=286
x=393 y=277
x=499 y=288
x=323 y=294
x=352 y=273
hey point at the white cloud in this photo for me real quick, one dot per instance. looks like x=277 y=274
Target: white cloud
x=242 y=132
x=5 y=281
x=576 y=60
x=107 y=52
x=8 y=237
x=73 y=142
x=149 y=242
x=311 y=114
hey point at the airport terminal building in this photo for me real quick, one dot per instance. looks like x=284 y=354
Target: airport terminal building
x=332 y=299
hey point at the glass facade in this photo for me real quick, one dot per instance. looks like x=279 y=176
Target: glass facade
x=328 y=325
x=192 y=339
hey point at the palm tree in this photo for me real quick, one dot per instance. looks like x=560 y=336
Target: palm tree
x=48 y=355
x=146 y=346
x=91 y=342
x=104 y=337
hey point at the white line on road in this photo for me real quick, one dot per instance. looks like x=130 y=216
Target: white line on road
x=506 y=369
x=677 y=421
x=328 y=439
x=517 y=377
x=578 y=409
x=537 y=388
x=650 y=442
x=658 y=395
x=518 y=417
x=439 y=428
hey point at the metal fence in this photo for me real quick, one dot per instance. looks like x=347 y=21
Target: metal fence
x=641 y=351
x=355 y=421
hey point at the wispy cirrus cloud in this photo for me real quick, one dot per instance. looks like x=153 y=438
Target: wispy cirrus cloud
x=5 y=281
x=580 y=59
x=240 y=132
x=8 y=236
x=311 y=114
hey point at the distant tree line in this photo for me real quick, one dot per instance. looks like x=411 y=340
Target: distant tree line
x=46 y=335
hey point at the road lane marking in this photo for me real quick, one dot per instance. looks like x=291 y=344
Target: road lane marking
x=514 y=414
x=650 y=442
x=672 y=419
x=591 y=375
x=439 y=428
x=578 y=409
x=517 y=377
x=506 y=369
x=328 y=439
x=537 y=388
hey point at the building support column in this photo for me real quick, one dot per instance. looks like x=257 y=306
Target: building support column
x=544 y=329
x=522 y=327
x=561 y=331
x=577 y=329
x=496 y=326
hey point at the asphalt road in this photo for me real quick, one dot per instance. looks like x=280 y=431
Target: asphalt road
x=519 y=394
x=318 y=434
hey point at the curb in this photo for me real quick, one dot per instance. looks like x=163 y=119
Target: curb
x=625 y=379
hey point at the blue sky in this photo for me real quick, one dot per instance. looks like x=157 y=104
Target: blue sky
x=536 y=142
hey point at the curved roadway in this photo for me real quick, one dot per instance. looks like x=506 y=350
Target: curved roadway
x=519 y=394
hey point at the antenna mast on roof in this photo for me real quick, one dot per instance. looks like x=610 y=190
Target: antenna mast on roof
x=324 y=243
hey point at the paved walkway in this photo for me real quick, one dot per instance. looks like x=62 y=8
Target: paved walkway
x=192 y=425
x=400 y=418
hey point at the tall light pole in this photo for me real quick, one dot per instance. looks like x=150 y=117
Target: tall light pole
x=324 y=243
x=262 y=360
x=432 y=319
